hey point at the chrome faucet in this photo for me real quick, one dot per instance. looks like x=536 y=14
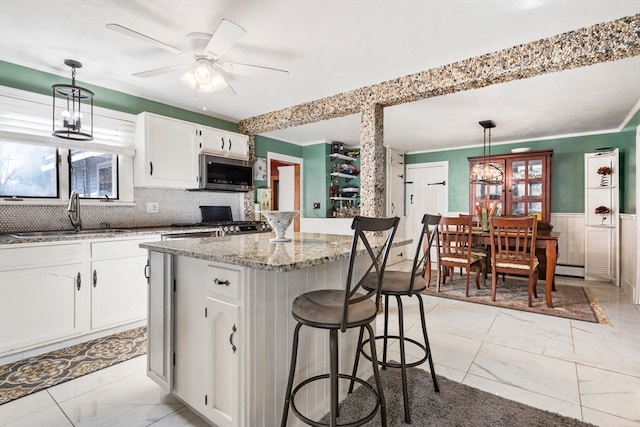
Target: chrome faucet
x=74 y=210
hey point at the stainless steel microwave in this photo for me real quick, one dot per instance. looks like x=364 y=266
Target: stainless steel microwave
x=224 y=174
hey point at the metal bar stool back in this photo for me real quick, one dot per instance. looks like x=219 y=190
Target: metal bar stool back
x=398 y=284
x=343 y=309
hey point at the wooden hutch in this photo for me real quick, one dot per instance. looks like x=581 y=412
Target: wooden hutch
x=526 y=185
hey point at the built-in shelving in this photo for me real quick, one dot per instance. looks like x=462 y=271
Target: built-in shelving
x=601 y=178
x=341 y=157
x=342 y=175
x=344 y=197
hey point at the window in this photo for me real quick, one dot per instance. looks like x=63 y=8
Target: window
x=28 y=170
x=93 y=175
x=35 y=166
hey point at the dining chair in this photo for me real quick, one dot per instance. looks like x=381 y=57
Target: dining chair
x=338 y=310
x=479 y=249
x=513 y=248
x=454 y=241
x=405 y=284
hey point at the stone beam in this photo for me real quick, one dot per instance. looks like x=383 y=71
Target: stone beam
x=609 y=41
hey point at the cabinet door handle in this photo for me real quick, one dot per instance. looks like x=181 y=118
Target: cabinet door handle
x=221 y=282
x=222 y=147
x=95 y=278
x=78 y=281
x=229 y=143
x=233 y=332
x=150 y=168
x=147 y=269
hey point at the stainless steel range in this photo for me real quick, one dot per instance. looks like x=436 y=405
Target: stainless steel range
x=220 y=219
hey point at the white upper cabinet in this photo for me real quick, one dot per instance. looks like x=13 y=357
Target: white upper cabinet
x=167 y=150
x=223 y=143
x=238 y=145
x=166 y=153
x=210 y=140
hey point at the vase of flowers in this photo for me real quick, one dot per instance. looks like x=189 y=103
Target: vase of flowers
x=603 y=211
x=605 y=173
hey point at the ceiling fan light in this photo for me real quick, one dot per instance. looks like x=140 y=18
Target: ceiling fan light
x=202 y=74
x=189 y=79
x=203 y=77
x=218 y=82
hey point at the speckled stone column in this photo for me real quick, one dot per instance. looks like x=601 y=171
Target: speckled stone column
x=372 y=161
x=249 y=197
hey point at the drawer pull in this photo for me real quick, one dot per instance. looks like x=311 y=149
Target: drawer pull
x=233 y=332
x=221 y=282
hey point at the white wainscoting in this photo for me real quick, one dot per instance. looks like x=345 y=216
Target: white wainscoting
x=629 y=256
x=570 y=244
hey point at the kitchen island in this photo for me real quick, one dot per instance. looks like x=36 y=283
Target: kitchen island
x=220 y=324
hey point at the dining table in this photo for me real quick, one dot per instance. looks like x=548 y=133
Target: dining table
x=547 y=240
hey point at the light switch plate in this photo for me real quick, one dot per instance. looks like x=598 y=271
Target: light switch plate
x=152 y=207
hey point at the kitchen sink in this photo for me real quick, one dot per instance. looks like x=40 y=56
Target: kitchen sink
x=55 y=233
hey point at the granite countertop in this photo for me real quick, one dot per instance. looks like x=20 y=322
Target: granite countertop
x=124 y=232
x=255 y=250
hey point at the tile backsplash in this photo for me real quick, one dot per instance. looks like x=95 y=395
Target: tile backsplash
x=174 y=206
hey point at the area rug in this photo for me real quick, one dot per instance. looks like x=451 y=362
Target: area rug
x=455 y=405
x=572 y=302
x=36 y=373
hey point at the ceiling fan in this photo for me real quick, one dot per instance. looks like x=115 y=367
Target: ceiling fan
x=206 y=74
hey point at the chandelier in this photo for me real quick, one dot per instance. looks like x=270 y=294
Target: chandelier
x=71 y=120
x=486 y=171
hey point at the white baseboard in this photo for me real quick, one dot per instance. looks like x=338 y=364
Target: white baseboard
x=570 y=270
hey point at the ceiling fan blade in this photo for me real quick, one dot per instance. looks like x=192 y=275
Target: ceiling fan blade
x=158 y=71
x=129 y=32
x=225 y=36
x=253 y=70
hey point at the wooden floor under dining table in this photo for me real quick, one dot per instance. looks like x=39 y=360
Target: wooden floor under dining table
x=547 y=240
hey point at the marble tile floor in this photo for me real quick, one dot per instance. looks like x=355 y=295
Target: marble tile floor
x=582 y=370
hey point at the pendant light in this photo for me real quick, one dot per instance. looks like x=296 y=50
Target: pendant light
x=72 y=108
x=486 y=171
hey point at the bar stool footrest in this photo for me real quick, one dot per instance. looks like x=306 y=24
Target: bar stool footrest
x=355 y=423
x=397 y=365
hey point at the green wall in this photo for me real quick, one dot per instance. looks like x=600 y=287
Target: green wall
x=31 y=80
x=316 y=179
x=567 y=168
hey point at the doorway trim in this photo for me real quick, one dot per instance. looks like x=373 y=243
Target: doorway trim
x=271 y=156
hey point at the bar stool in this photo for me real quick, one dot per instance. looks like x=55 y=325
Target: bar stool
x=399 y=284
x=342 y=309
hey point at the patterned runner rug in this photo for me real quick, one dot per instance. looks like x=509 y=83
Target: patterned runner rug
x=573 y=302
x=39 y=372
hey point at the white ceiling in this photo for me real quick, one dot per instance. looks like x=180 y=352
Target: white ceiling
x=333 y=46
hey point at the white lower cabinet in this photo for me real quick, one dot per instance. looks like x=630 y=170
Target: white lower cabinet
x=199 y=331
x=59 y=291
x=160 y=320
x=118 y=283
x=222 y=361
x=39 y=305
